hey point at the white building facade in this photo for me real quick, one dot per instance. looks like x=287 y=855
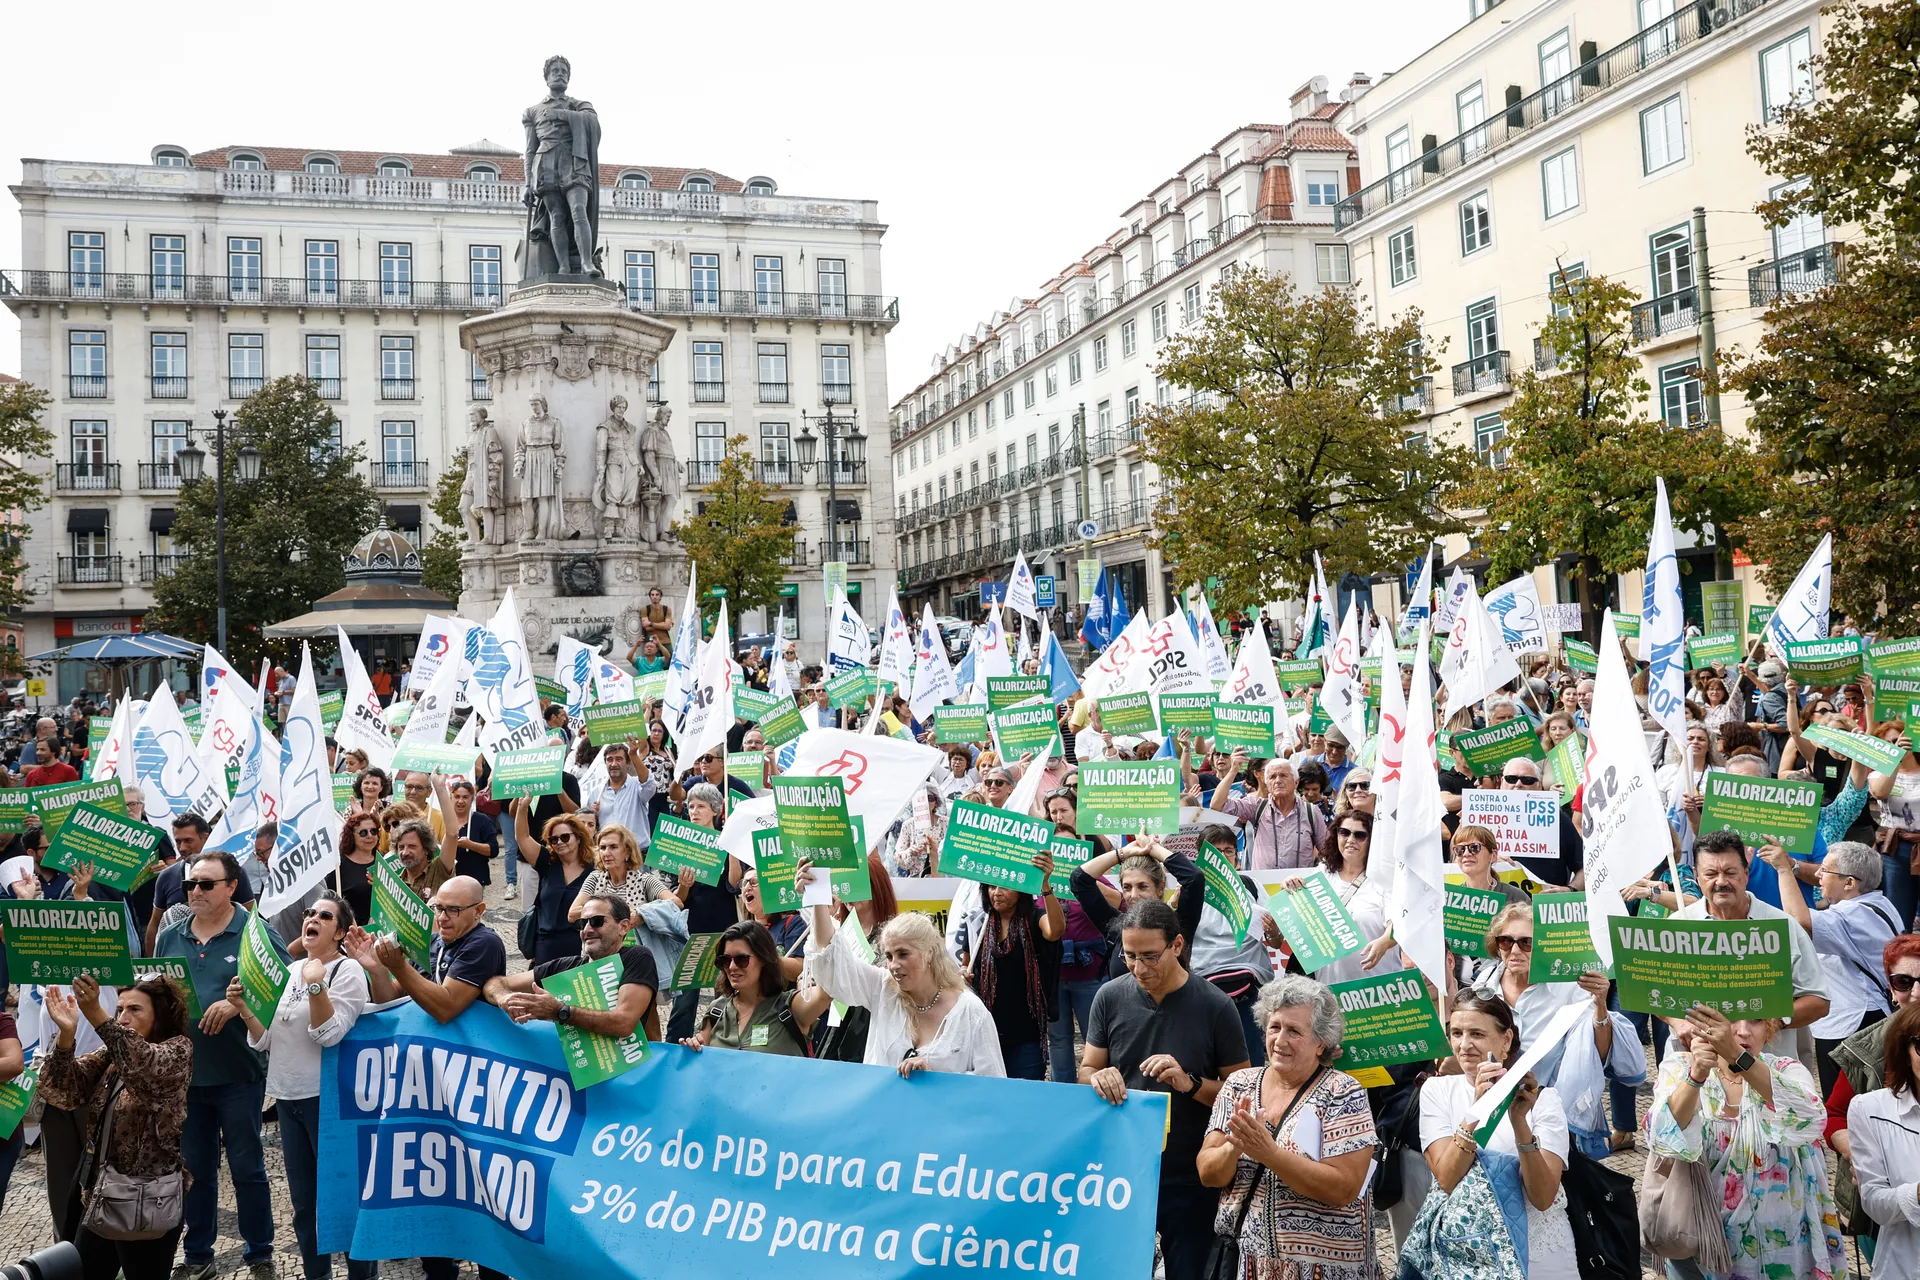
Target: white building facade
x=1029 y=423
x=150 y=295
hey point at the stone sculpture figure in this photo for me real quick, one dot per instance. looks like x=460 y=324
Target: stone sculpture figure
x=539 y=460
x=563 y=181
x=616 y=483
x=662 y=488
x=483 y=504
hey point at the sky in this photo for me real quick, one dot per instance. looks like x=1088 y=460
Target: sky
x=1001 y=139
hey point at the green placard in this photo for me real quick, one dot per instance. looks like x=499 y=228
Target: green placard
x=1318 y=721
x=1220 y=880
x=1488 y=749
x=1297 y=673
x=333 y=704
x=263 y=974
x=650 y=687
x=754 y=706
x=1707 y=650
x=815 y=823
x=615 y=721
x=1568 y=763
x=119 y=847
x=775 y=867
x=855 y=883
x=1761 y=811
x=1893 y=697
x=699 y=964
x=750 y=767
x=1626 y=625
x=53 y=804
x=399 y=912
x=1881 y=757
x=1390 y=1020
x=529 y=773
x=174 y=967
x=1819 y=663
x=1129 y=713
x=1089 y=577
x=98 y=727
x=1120 y=797
x=342 y=790
x=1068 y=855
x=1562 y=943
x=1007 y=691
x=1723 y=609
x=398 y=714
x=1894 y=657
x=961 y=722
x=853 y=688
x=550 y=690
x=1758 y=616
x=15 y=805
x=1316 y=924
x=678 y=843
x=782 y=726
x=592 y=1057
x=1243 y=724
x=993 y=846
x=16 y=1095
x=1187 y=711
x=449 y=759
x=1744 y=968
x=1580 y=656
x=1467 y=914
x=52 y=943
x=1034 y=728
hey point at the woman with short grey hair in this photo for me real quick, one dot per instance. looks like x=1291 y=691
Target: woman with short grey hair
x=1295 y=990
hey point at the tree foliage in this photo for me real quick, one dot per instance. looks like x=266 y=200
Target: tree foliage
x=21 y=490
x=1582 y=453
x=739 y=535
x=1296 y=443
x=1834 y=384
x=288 y=531
x=440 y=557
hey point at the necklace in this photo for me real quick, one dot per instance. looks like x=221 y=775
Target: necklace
x=920 y=1008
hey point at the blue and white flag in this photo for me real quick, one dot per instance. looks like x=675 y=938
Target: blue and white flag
x=1515 y=608
x=686 y=652
x=1021 y=591
x=996 y=659
x=256 y=796
x=1093 y=628
x=306 y=853
x=166 y=766
x=1214 y=663
x=610 y=683
x=1060 y=678
x=1663 y=629
x=933 y=681
x=501 y=687
x=896 y=643
x=573 y=670
x=1804 y=612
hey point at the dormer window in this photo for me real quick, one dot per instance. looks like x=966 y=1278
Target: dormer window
x=635 y=181
x=322 y=164
x=170 y=158
x=697 y=182
x=760 y=187
x=395 y=169
x=245 y=160
x=483 y=173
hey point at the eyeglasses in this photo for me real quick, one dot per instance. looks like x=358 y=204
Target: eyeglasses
x=315 y=913
x=995 y=782
x=734 y=960
x=708 y=760
x=206 y=886
x=1902 y=982
x=366 y=831
x=1468 y=846
x=585 y=923
x=1354 y=833
x=1359 y=786
x=1520 y=779
x=1507 y=942
x=1149 y=959
x=453 y=908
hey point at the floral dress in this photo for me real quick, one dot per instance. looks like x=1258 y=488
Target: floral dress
x=1780 y=1218
x=1289 y=1236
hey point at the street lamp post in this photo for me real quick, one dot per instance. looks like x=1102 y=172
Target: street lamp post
x=845 y=446
x=192 y=461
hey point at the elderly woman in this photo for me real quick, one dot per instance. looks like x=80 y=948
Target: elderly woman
x=1756 y=1120
x=1461 y=1233
x=1291 y=1142
x=1611 y=1044
x=1885 y=1126
x=618 y=871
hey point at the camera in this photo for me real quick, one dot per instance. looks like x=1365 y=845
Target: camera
x=55 y=1262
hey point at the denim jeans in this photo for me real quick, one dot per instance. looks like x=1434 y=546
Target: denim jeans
x=1896 y=881
x=1184 y=1219
x=299 y=1147
x=1625 y=1117
x=510 y=848
x=229 y=1114
x=681 y=1023
x=1076 y=1001
x=1256 y=1041
x=1025 y=1059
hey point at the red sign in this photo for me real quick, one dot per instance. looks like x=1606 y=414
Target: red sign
x=89 y=628
x=1741 y=560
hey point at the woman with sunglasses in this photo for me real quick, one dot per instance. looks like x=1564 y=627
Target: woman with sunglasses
x=1346 y=856
x=756 y=1009
x=1861 y=1059
x=559 y=859
x=324 y=997
x=710 y=908
x=1356 y=793
x=359 y=846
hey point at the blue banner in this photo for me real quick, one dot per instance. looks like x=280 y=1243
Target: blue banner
x=469 y=1141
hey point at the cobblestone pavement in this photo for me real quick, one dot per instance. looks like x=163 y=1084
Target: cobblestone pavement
x=24 y=1224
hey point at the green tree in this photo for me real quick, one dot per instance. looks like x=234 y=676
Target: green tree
x=1301 y=437
x=288 y=531
x=21 y=490
x=440 y=557
x=739 y=536
x=1834 y=383
x=1582 y=454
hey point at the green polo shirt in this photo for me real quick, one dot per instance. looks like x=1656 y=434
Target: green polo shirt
x=225 y=1058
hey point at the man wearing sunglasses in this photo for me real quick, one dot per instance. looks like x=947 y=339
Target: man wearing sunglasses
x=1522 y=774
x=464 y=956
x=229 y=1084
x=603 y=925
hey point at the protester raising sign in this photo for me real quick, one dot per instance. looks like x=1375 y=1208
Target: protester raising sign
x=1562 y=943
x=1187 y=711
x=400 y=913
x=1822 y=663
x=117 y=847
x=1468 y=914
x=593 y=1058
x=1011 y=691
x=962 y=722
x=55 y=942
x=1242 y=724
x=1130 y=713
x=993 y=846
x=814 y=822
x=1526 y=823
x=1486 y=750
x=1743 y=968
x=1123 y=797
x=1224 y=891
x=1880 y=756
x=681 y=845
x=528 y=774
x=1762 y=811
x=1316 y=924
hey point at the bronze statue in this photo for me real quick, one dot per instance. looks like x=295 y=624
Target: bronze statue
x=563 y=181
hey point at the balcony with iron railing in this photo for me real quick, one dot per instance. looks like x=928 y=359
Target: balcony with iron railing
x=86 y=477
x=86 y=386
x=846 y=475
x=836 y=393
x=327 y=388
x=1626 y=61
x=1482 y=377
x=169 y=386
x=241 y=388
x=404 y=474
x=796 y=555
x=155 y=567
x=1419 y=400
x=1545 y=358
x=702 y=471
x=709 y=392
x=396 y=388
x=479 y=389
x=773 y=393
x=777 y=471
x=1672 y=316
x=88 y=571
x=849 y=550
x=1793 y=275
x=158 y=476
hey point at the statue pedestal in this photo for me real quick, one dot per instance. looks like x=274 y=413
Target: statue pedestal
x=576 y=346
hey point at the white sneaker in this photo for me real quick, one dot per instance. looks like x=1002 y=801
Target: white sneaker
x=513 y=893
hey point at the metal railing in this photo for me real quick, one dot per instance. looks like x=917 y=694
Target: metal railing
x=396 y=388
x=796 y=557
x=71 y=477
x=1545 y=358
x=86 y=386
x=847 y=473
x=851 y=550
x=836 y=393
x=709 y=392
x=155 y=567
x=1625 y=61
x=773 y=393
x=479 y=389
x=702 y=471
x=326 y=388
x=241 y=388
x=1419 y=400
x=1795 y=274
x=158 y=475
x=88 y=571
x=777 y=471
x=1666 y=315
x=169 y=386
x=1482 y=375
x=399 y=475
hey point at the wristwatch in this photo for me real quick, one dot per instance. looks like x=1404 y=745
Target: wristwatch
x=1742 y=1064
x=563 y=1014
x=1193 y=1092
x=315 y=988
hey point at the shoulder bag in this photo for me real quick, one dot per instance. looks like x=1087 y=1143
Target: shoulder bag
x=1223 y=1259
x=1600 y=1209
x=120 y=1206
x=1680 y=1215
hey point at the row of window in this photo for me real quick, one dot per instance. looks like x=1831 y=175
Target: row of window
x=477 y=171
x=89 y=457
x=769 y=281
x=921 y=546
x=917 y=453
x=246 y=363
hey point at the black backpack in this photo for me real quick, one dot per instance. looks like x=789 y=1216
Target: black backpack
x=1605 y=1219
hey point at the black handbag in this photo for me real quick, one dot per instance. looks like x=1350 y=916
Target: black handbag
x=1223 y=1259
x=1605 y=1219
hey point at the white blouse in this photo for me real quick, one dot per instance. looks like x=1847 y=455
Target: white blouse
x=966 y=1044
x=292 y=1044
x=1444 y=1104
x=1885 y=1129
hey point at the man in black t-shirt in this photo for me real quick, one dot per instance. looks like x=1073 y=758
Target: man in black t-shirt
x=603 y=927
x=1167 y=1031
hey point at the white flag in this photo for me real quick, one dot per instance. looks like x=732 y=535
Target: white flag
x=1213 y=650
x=1475 y=662
x=1621 y=814
x=1419 y=884
x=1389 y=762
x=1340 y=694
x=1803 y=613
x=1516 y=610
x=933 y=681
x=115 y=757
x=256 y=795
x=1122 y=665
x=306 y=853
x=1663 y=628
x=993 y=660
x=1420 y=602
x=610 y=683
x=779 y=684
x=433 y=709
x=573 y=663
x=502 y=688
x=849 y=642
x=1021 y=593
x=680 y=667
x=441 y=640
x=1459 y=587
x=164 y=763
x=710 y=704
x=363 y=725
x=1172 y=657
x=896 y=643
x=228 y=711
x=1252 y=678
x=880 y=774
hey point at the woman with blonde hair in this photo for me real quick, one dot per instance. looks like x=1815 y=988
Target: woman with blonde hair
x=618 y=871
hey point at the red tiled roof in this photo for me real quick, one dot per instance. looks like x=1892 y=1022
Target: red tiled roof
x=443 y=166
x=1313 y=135
x=7 y=377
